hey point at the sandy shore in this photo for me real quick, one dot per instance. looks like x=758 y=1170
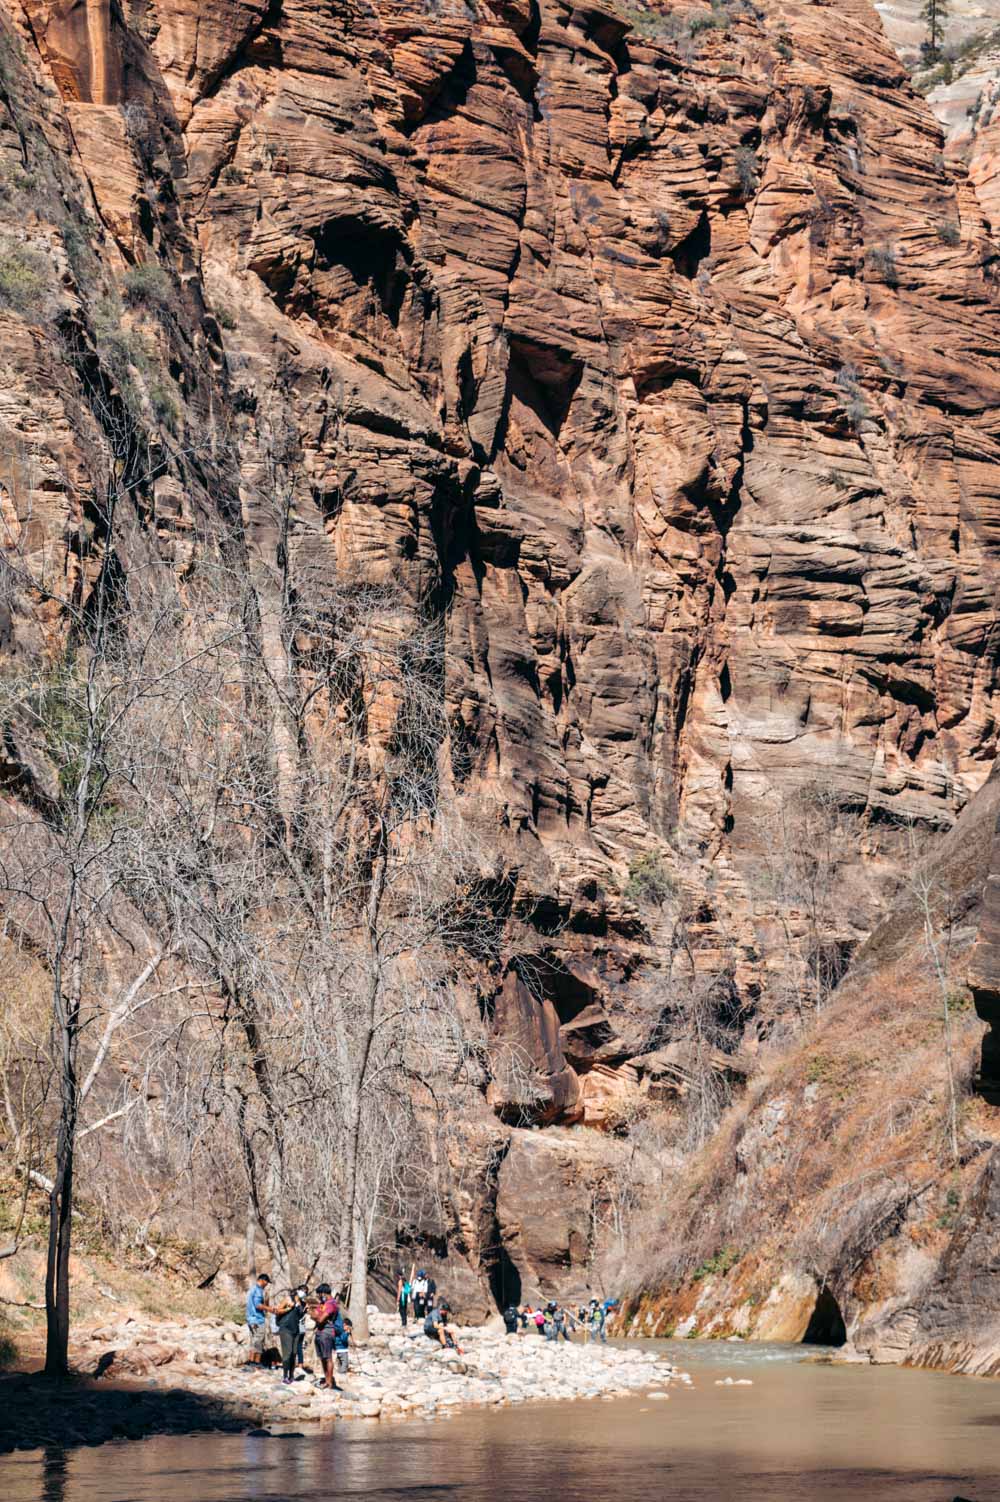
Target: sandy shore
x=183 y=1376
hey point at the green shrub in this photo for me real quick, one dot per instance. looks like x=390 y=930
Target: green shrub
x=225 y=317
x=8 y=1351
x=164 y=404
x=24 y=281
x=147 y=285
x=14 y=180
x=654 y=24
x=848 y=379
x=649 y=882
x=747 y=170
x=881 y=259
x=716 y=20
x=949 y=232
x=783 y=49
x=718 y=1265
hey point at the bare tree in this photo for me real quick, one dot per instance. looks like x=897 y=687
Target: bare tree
x=89 y=897
x=934 y=906
x=811 y=900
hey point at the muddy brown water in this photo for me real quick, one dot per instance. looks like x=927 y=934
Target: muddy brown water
x=804 y=1432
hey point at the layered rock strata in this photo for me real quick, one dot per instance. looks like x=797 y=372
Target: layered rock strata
x=655 y=351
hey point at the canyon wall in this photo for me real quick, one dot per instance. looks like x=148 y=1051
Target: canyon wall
x=654 y=352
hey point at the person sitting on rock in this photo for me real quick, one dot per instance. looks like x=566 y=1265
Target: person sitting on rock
x=257 y=1311
x=329 y=1325
x=437 y=1327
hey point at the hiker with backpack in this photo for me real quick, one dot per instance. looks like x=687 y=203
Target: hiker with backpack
x=511 y=1319
x=329 y=1325
x=419 y=1290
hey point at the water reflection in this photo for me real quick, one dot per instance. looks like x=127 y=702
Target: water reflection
x=802 y=1433
x=54 y=1468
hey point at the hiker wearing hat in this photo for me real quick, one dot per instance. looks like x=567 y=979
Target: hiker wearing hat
x=437 y=1326
x=257 y=1311
x=419 y=1290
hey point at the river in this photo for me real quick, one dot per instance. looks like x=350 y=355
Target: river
x=804 y=1432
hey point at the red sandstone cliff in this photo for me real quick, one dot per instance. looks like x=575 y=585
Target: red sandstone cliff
x=657 y=350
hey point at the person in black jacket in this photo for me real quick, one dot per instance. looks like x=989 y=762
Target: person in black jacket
x=511 y=1316
x=291 y=1313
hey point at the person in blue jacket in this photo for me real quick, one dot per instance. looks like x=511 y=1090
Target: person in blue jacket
x=256 y=1315
x=342 y=1344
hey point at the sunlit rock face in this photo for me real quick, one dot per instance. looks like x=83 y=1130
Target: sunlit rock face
x=656 y=353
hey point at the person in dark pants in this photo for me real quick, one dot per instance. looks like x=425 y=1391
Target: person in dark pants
x=511 y=1319
x=302 y=1294
x=438 y=1328
x=420 y=1295
x=291 y=1312
x=564 y=1322
x=328 y=1326
x=402 y=1297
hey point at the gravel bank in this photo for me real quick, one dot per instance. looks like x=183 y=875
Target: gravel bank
x=188 y=1375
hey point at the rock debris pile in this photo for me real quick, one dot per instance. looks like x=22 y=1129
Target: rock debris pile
x=396 y=1373
x=189 y=1374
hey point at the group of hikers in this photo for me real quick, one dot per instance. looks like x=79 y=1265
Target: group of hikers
x=297 y=1311
x=553 y=1320
x=418 y=1295
x=290 y=1316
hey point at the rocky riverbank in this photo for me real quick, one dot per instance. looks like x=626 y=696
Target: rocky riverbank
x=140 y=1377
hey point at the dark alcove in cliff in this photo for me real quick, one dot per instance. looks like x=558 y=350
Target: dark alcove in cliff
x=826 y=1324
x=505 y=1281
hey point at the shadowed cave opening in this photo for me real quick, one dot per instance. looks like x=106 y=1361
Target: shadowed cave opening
x=826 y=1324
x=505 y=1280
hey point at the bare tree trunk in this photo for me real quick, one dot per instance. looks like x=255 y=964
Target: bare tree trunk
x=67 y=1021
x=57 y=1261
x=359 y=1273
x=250 y=1241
